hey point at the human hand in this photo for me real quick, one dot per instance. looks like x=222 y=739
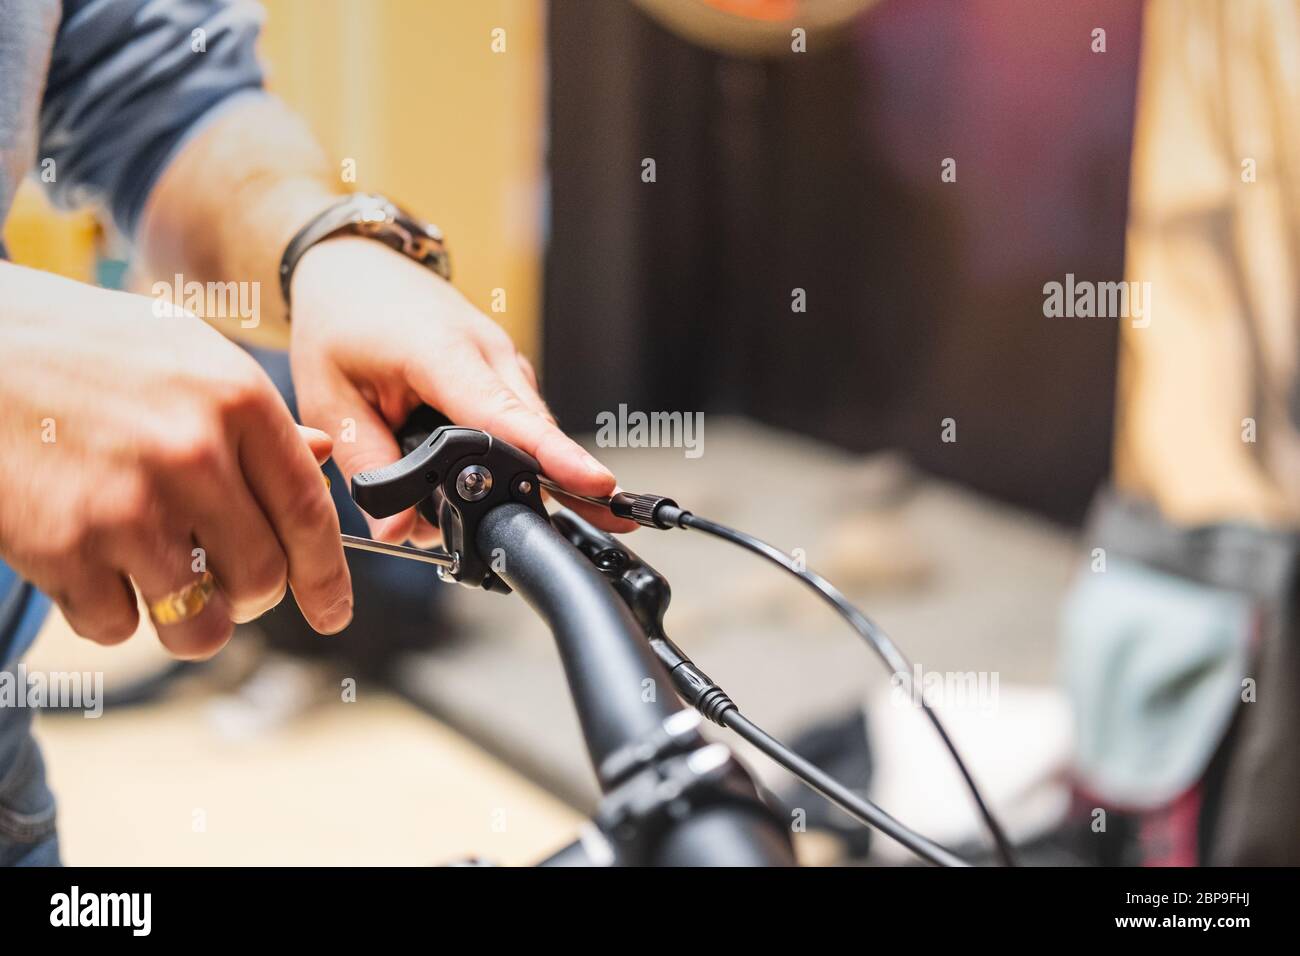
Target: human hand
x=374 y=335
x=143 y=447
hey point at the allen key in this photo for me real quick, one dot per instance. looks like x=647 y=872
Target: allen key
x=441 y=558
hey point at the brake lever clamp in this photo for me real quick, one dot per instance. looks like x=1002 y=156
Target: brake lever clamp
x=663 y=779
x=647 y=593
x=453 y=478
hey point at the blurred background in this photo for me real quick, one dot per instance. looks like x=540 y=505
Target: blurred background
x=775 y=169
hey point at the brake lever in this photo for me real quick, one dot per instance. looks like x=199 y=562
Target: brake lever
x=444 y=559
x=453 y=477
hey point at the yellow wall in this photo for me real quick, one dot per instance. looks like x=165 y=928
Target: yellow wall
x=412 y=91
x=40 y=236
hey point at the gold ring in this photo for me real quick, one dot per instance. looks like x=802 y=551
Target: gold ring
x=183 y=604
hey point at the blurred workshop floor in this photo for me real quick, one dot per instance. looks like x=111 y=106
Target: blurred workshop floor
x=371 y=782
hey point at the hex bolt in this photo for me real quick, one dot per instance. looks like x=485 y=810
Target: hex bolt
x=474 y=483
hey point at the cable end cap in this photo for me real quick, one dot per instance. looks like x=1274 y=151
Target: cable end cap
x=650 y=511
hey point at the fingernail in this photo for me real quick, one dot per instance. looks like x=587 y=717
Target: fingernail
x=340 y=614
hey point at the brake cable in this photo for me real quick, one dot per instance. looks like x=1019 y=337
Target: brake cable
x=659 y=512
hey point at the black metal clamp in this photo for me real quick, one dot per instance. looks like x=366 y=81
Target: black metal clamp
x=665 y=779
x=646 y=592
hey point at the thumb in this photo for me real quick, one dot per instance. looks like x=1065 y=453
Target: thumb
x=318 y=441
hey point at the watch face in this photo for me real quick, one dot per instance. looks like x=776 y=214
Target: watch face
x=755 y=27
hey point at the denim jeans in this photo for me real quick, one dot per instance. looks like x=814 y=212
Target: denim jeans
x=27 y=834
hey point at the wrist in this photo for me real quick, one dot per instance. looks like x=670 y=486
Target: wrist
x=375 y=218
x=348 y=268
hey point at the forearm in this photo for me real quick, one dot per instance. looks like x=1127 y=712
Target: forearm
x=228 y=204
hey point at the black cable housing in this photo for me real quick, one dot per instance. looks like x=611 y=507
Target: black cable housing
x=858 y=807
x=872 y=633
x=703 y=693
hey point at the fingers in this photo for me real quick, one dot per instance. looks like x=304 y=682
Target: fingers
x=320 y=443
x=237 y=543
x=480 y=382
x=517 y=372
x=241 y=549
x=529 y=372
x=163 y=569
x=98 y=603
x=423 y=534
x=472 y=393
x=285 y=480
x=372 y=446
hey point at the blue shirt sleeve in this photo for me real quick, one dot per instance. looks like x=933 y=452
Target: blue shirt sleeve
x=129 y=80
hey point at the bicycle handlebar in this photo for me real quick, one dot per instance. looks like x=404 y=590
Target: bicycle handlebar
x=610 y=668
x=605 y=656
x=670 y=796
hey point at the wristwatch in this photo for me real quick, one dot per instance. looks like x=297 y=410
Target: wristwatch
x=373 y=216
